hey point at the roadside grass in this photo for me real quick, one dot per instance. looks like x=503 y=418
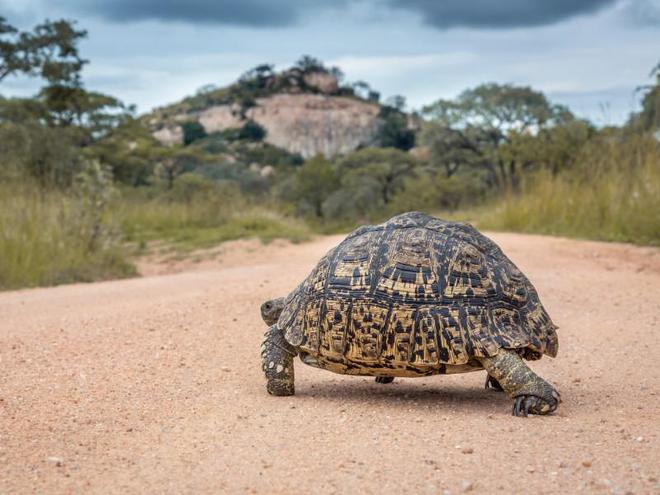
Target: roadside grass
x=44 y=235
x=202 y=223
x=613 y=196
x=43 y=242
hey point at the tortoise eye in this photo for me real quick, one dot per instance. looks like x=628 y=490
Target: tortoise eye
x=267 y=305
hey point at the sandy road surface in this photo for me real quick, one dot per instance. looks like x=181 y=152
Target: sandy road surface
x=153 y=385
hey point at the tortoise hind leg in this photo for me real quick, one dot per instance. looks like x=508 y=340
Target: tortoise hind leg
x=384 y=379
x=277 y=362
x=532 y=393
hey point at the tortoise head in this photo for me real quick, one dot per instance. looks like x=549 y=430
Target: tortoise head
x=271 y=310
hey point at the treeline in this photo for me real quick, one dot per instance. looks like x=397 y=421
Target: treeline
x=85 y=186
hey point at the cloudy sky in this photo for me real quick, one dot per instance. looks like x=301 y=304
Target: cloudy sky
x=588 y=54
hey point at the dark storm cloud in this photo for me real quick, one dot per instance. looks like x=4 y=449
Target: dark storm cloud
x=441 y=14
x=257 y=13
x=498 y=13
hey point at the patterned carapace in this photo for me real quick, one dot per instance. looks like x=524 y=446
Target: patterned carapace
x=415 y=296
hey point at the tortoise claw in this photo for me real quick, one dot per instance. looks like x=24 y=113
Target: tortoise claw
x=517 y=411
x=524 y=405
x=491 y=383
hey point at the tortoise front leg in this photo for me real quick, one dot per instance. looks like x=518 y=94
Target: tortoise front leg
x=532 y=393
x=277 y=362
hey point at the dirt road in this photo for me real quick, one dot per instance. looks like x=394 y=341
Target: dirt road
x=153 y=385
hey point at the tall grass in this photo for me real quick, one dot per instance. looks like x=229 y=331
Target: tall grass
x=204 y=221
x=43 y=241
x=45 y=235
x=614 y=195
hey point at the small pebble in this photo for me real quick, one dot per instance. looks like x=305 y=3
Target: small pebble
x=467 y=486
x=58 y=461
x=467 y=450
x=586 y=464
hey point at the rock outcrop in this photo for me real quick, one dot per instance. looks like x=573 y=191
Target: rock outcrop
x=304 y=123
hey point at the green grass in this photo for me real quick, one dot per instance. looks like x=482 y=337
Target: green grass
x=203 y=223
x=44 y=235
x=42 y=242
x=613 y=196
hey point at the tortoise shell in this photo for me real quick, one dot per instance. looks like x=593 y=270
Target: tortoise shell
x=415 y=296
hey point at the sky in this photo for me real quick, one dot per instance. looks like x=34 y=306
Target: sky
x=590 y=55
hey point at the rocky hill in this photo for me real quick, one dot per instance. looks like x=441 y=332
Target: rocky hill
x=302 y=110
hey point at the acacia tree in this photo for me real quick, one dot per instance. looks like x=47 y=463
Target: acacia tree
x=384 y=168
x=49 y=51
x=63 y=117
x=483 y=120
x=313 y=183
x=649 y=117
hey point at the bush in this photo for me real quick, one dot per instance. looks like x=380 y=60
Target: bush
x=192 y=131
x=394 y=132
x=614 y=195
x=311 y=184
x=252 y=131
x=437 y=192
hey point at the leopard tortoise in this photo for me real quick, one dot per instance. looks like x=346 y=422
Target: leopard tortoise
x=414 y=296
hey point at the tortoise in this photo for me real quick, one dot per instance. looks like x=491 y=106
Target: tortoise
x=414 y=296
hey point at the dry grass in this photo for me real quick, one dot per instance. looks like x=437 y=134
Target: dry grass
x=613 y=196
x=43 y=242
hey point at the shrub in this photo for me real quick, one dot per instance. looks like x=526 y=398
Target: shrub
x=613 y=195
x=192 y=131
x=252 y=131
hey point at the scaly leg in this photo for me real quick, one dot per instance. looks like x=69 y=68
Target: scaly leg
x=492 y=383
x=532 y=393
x=277 y=362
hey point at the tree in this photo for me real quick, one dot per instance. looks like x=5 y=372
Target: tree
x=394 y=131
x=385 y=168
x=307 y=63
x=50 y=51
x=313 y=183
x=94 y=114
x=500 y=107
x=47 y=155
x=361 y=89
x=649 y=117
x=173 y=162
x=486 y=118
x=258 y=77
x=261 y=71
x=373 y=96
x=130 y=151
x=397 y=102
x=451 y=149
x=337 y=73
x=555 y=148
